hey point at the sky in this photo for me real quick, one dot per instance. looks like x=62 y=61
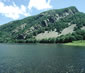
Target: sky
x=11 y=10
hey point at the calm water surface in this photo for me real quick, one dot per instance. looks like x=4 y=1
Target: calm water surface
x=41 y=58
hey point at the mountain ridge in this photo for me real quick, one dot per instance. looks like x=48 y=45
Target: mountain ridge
x=52 y=20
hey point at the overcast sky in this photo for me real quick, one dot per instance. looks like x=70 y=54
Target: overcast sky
x=17 y=9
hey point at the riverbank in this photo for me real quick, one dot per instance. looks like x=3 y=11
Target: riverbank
x=76 y=43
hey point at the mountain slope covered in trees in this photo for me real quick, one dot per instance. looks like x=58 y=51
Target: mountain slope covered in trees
x=62 y=25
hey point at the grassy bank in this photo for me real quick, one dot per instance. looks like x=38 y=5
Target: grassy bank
x=76 y=43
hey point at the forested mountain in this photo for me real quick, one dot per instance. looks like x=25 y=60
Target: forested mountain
x=62 y=25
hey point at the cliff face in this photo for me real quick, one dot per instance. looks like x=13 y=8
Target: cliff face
x=52 y=20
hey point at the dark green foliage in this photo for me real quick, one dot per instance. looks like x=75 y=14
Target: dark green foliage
x=60 y=26
x=50 y=40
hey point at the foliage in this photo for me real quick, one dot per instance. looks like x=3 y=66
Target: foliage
x=77 y=35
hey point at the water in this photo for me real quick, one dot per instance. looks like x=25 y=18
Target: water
x=41 y=58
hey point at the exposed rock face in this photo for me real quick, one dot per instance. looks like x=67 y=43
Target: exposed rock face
x=54 y=34
x=19 y=28
x=69 y=29
x=83 y=28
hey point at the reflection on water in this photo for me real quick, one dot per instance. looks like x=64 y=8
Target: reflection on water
x=41 y=58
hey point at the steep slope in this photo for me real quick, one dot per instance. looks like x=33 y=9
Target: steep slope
x=49 y=24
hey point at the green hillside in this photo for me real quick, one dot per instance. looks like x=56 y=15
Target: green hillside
x=27 y=29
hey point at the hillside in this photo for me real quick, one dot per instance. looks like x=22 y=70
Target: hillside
x=49 y=26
